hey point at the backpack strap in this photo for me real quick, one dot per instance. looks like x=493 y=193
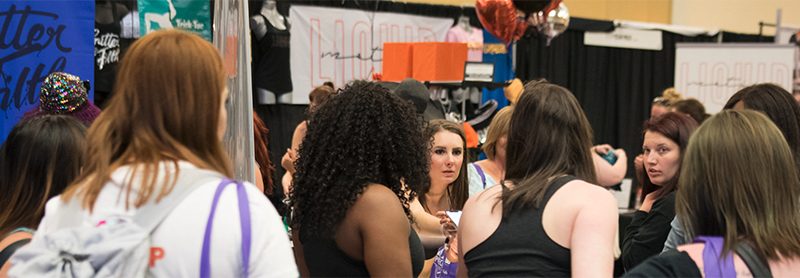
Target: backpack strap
x=712 y=265
x=10 y=249
x=244 y=220
x=151 y=214
x=756 y=265
x=480 y=172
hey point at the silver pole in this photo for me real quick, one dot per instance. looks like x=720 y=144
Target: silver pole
x=232 y=37
x=778 y=28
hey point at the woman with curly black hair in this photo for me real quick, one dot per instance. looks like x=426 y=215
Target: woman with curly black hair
x=362 y=159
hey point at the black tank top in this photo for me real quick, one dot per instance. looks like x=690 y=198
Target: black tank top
x=106 y=56
x=271 y=69
x=520 y=247
x=325 y=259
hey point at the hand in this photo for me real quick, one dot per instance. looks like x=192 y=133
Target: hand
x=288 y=160
x=448 y=228
x=638 y=163
x=621 y=155
x=602 y=149
x=648 y=202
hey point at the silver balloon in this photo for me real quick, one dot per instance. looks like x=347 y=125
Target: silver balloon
x=553 y=24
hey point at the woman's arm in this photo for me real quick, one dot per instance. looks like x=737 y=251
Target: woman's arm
x=299 y=257
x=384 y=230
x=607 y=174
x=592 y=241
x=287 y=162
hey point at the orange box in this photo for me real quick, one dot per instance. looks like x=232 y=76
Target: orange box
x=397 y=58
x=438 y=61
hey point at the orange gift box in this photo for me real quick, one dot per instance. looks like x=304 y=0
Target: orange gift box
x=438 y=61
x=396 y=61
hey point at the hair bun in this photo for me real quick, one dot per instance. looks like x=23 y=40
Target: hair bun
x=672 y=95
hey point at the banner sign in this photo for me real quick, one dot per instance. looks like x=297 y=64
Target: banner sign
x=190 y=15
x=36 y=39
x=340 y=45
x=712 y=72
x=625 y=38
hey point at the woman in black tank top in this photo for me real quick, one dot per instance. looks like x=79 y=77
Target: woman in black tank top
x=362 y=159
x=506 y=231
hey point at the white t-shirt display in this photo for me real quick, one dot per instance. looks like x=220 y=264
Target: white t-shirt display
x=176 y=244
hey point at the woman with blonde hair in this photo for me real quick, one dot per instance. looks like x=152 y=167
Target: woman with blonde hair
x=738 y=198
x=160 y=134
x=485 y=173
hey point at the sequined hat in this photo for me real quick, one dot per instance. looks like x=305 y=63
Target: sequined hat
x=65 y=94
x=62 y=93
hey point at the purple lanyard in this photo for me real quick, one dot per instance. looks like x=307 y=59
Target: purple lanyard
x=244 y=219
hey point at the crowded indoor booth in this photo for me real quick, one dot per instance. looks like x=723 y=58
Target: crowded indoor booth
x=419 y=138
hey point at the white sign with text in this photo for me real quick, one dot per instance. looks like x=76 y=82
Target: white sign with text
x=340 y=45
x=712 y=73
x=625 y=38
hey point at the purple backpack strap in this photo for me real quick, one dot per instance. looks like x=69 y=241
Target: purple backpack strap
x=244 y=219
x=712 y=265
x=480 y=172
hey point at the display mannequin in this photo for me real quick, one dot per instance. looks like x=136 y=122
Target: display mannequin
x=106 y=48
x=271 y=72
x=464 y=32
x=463 y=22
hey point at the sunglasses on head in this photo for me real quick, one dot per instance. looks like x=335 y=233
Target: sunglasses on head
x=662 y=101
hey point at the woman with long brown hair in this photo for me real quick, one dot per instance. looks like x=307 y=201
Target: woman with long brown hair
x=738 y=199
x=547 y=213
x=161 y=129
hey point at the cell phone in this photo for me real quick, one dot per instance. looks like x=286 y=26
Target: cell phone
x=454 y=215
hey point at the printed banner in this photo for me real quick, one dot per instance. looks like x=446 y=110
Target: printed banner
x=712 y=72
x=190 y=15
x=36 y=39
x=340 y=45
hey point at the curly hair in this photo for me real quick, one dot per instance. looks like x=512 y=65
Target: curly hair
x=363 y=135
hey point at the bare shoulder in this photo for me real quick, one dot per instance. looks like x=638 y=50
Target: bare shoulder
x=378 y=200
x=483 y=205
x=582 y=190
x=302 y=127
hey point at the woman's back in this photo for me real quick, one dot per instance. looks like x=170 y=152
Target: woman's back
x=539 y=242
x=342 y=255
x=177 y=242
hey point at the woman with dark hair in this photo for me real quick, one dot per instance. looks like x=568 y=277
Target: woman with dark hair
x=738 y=196
x=777 y=104
x=449 y=187
x=363 y=158
x=780 y=107
x=547 y=213
x=692 y=108
x=317 y=98
x=39 y=159
x=665 y=140
x=160 y=137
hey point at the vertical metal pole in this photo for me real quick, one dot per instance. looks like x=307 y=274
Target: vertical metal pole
x=232 y=38
x=778 y=28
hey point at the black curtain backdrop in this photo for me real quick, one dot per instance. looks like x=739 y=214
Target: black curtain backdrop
x=615 y=86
